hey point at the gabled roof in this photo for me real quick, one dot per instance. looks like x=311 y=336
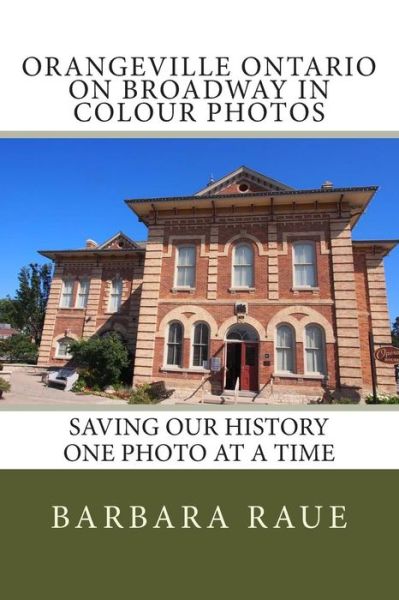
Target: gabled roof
x=118 y=244
x=120 y=240
x=244 y=174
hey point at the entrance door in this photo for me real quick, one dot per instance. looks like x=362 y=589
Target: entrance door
x=233 y=364
x=242 y=362
x=249 y=367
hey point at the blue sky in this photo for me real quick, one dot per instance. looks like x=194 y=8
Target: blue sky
x=57 y=193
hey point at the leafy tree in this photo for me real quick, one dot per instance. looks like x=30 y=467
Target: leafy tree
x=19 y=347
x=103 y=359
x=7 y=311
x=395 y=332
x=30 y=301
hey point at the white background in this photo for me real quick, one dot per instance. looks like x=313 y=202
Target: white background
x=361 y=439
x=125 y=28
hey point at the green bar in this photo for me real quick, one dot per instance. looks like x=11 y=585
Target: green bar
x=359 y=561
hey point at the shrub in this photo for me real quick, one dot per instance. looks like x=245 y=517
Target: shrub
x=345 y=400
x=143 y=394
x=19 y=347
x=103 y=359
x=382 y=399
x=4 y=385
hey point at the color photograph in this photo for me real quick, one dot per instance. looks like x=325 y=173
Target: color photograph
x=199 y=272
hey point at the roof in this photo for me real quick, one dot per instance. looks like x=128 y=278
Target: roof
x=386 y=245
x=243 y=172
x=357 y=197
x=118 y=245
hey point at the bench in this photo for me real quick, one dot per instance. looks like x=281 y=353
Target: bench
x=64 y=378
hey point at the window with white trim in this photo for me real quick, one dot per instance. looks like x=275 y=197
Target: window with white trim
x=200 y=344
x=243 y=266
x=83 y=292
x=63 y=347
x=67 y=293
x=285 y=349
x=304 y=261
x=174 y=350
x=185 y=266
x=115 y=295
x=315 y=350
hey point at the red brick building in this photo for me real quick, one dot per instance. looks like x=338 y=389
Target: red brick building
x=249 y=276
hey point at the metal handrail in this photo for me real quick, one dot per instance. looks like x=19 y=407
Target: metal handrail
x=236 y=389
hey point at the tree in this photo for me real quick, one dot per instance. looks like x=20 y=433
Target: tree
x=29 y=305
x=7 y=311
x=103 y=358
x=19 y=347
x=395 y=332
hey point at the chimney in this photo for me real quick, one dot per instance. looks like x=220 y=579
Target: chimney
x=327 y=185
x=91 y=244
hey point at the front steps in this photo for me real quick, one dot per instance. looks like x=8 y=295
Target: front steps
x=278 y=396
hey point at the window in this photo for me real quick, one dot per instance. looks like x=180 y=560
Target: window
x=285 y=344
x=314 y=350
x=175 y=344
x=67 y=294
x=83 y=293
x=185 y=266
x=115 y=297
x=63 y=348
x=304 y=264
x=243 y=259
x=200 y=344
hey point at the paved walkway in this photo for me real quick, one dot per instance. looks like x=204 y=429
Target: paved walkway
x=27 y=388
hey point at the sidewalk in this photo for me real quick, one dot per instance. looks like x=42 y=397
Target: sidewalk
x=27 y=388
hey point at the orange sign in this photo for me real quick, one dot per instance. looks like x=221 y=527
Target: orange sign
x=388 y=354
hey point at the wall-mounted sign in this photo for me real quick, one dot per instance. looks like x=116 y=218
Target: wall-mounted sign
x=387 y=354
x=215 y=364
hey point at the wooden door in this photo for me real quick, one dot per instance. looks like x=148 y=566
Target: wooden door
x=249 y=367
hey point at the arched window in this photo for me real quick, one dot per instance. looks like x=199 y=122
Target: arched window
x=115 y=296
x=67 y=293
x=200 y=344
x=185 y=266
x=242 y=332
x=243 y=266
x=304 y=261
x=175 y=344
x=63 y=346
x=83 y=292
x=285 y=349
x=315 y=351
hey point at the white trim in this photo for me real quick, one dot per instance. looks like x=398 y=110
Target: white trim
x=187 y=288
x=323 y=350
x=200 y=322
x=293 y=349
x=82 y=278
x=166 y=343
x=252 y=265
x=111 y=295
x=244 y=236
x=57 y=348
x=64 y=280
x=312 y=244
